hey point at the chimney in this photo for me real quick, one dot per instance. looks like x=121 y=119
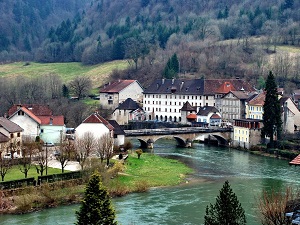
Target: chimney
x=163 y=81
x=173 y=81
x=181 y=85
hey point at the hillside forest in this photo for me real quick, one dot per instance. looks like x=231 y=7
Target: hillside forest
x=207 y=38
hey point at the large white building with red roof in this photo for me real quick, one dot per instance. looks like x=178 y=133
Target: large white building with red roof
x=114 y=93
x=37 y=120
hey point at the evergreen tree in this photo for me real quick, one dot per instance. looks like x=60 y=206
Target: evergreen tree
x=227 y=210
x=172 y=68
x=96 y=208
x=272 y=112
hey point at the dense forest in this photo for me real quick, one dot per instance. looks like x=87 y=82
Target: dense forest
x=210 y=38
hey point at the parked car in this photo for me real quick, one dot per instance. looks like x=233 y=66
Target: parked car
x=56 y=153
x=7 y=156
x=49 y=144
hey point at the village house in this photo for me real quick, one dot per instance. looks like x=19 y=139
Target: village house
x=114 y=93
x=164 y=98
x=246 y=133
x=209 y=115
x=94 y=124
x=233 y=105
x=127 y=111
x=188 y=114
x=10 y=138
x=38 y=120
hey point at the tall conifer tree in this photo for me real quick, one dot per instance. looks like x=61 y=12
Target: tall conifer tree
x=227 y=210
x=96 y=208
x=272 y=111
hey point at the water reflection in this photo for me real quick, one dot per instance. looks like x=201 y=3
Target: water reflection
x=249 y=176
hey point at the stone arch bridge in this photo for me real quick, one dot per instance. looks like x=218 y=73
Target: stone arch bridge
x=184 y=136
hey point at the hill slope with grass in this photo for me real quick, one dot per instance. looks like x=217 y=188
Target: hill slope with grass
x=66 y=71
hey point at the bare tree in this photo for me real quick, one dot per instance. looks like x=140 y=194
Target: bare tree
x=66 y=152
x=42 y=161
x=104 y=147
x=272 y=206
x=80 y=86
x=5 y=164
x=83 y=148
x=25 y=161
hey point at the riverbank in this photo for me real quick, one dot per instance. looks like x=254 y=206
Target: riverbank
x=131 y=175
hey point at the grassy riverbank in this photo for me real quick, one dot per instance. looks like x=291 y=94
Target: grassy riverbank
x=134 y=175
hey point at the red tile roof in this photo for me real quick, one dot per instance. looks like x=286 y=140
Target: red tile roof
x=56 y=120
x=215 y=116
x=116 y=86
x=30 y=114
x=96 y=118
x=212 y=85
x=36 y=109
x=191 y=116
x=225 y=88
x=258 y=100
x=295 y=161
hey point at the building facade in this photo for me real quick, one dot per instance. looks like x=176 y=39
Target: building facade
x=164 y=98
x=114 y=93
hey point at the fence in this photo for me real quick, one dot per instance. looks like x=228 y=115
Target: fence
x=5 y=185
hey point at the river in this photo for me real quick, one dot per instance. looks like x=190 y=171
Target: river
x=248 y=176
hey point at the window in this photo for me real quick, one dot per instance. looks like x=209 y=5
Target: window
x=166 y=103
x=170 y=103
x=206 y=97
x=166 y=110
x=18 y=134
x=42 y=130
x=174 y=110
x=11 y=135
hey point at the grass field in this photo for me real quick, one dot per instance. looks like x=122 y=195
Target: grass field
x=153 y=170
x=67 y=71
x=14 y=173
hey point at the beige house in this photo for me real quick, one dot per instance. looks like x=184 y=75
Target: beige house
x=114 y=93
x=127 y=111
x=246 y=133
x=10 y=137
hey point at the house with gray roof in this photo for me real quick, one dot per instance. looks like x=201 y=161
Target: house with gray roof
x=10 y=137
x=209 y=115
x=127 y=111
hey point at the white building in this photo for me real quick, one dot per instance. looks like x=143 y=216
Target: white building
x=114 y=93
x=164 y=98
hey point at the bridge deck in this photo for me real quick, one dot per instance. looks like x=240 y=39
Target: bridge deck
x=170 y=131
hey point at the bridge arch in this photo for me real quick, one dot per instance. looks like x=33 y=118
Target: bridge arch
x=181 y=141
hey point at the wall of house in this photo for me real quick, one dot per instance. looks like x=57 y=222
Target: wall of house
x=120 y=140
x=121 y=116
x=97 y=129
x=254 y=112
x=293 y=107
x=231 y=107
x=133 y=91
x=241 y=137
x=167 y=107
x=50 y=133
x=31 y=128
x=109 y=100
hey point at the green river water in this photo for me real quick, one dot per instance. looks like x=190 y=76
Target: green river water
x=248 y=176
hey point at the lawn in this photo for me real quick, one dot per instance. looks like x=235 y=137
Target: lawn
x=154 y=170
x=67 y=71
x=14 y=173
